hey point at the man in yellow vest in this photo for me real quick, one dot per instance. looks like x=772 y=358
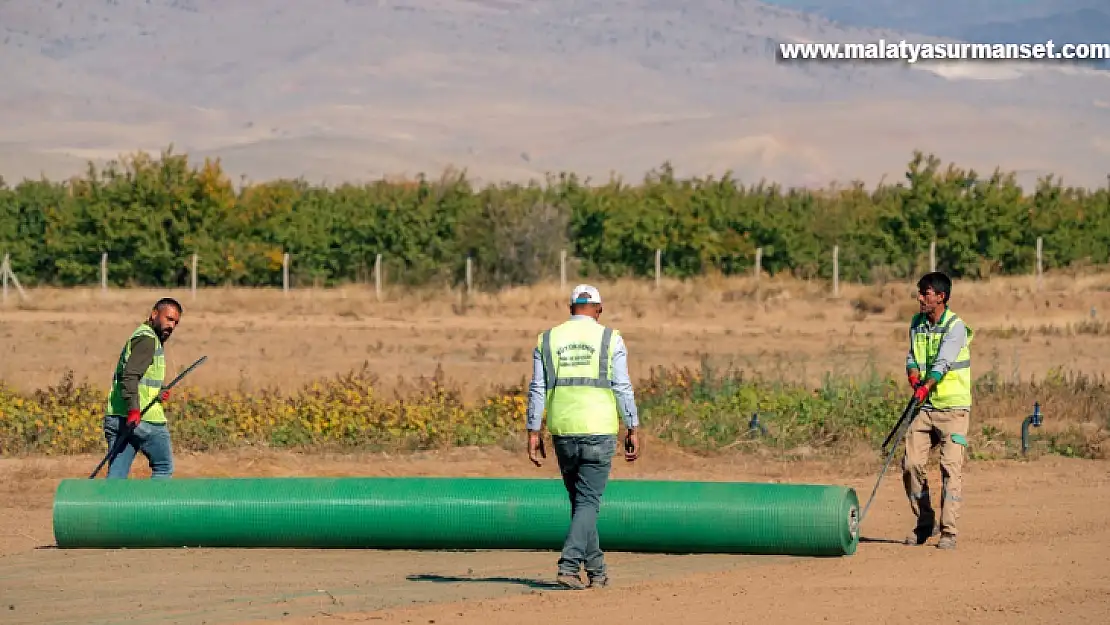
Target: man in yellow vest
x=580 y=373
x=136 y=383
x=939 y=370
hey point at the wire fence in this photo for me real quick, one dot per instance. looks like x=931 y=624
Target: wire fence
x=12 y=285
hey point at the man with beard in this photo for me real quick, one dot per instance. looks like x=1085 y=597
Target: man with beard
x=137 y=382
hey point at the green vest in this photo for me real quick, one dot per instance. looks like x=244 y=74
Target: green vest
x=577 y=358
x=954 y=389
x=150 y=386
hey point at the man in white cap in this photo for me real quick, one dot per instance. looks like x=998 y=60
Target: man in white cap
x=580 y=373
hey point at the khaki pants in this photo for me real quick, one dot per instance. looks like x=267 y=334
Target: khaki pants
x=931 y=428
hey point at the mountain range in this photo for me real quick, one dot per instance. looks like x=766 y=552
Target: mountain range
x=353 y=90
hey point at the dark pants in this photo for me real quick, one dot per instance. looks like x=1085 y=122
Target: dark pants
x=585 y=462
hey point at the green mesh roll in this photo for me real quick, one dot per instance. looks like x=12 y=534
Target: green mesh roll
x=453 y=513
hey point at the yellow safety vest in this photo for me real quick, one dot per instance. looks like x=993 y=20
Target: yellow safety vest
x=954 y=389
x=150 y=386
x=577 y=361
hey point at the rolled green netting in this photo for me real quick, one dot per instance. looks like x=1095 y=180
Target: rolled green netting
x=453 y=513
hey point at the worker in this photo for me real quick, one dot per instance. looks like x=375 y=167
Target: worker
x=939 y=370
x=137 y=383
x=580 y=373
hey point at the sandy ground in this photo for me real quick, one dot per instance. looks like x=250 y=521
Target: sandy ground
x=1033 y=549
x=1035 y=534
x=790 y=330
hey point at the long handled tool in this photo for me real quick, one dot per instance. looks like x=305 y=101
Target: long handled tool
x=125 y=430
x=896 y=434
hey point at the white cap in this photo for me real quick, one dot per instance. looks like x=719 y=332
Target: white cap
x=585 y=294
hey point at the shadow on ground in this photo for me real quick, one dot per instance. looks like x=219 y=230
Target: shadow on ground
x=886 y=541
x=523 y=581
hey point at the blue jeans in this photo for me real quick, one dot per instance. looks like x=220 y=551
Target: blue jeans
x=585 y=462
x=150 y=439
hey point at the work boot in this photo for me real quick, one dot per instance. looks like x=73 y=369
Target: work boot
x=947 y=541
x=571 y=581
x=599 y=582
x=920 y=535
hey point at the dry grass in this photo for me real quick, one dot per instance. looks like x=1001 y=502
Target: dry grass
x=776 y=326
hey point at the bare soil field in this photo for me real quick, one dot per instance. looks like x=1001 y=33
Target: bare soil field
x=1035 y=533
x=776 y=328
x=1033 y=549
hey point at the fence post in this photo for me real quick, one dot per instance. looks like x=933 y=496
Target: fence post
x=285 y=273
x=378 y=277
x=836 y=271
x=658 y=268
x=563 y=270
x=1040 y=258
x=194 y=279
x=933 y=256
x=9 y=276
x=104 y=272
x=758 y=262
x=468 y=275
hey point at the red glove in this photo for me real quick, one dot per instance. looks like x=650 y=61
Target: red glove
x=914 y=380
x=165 y=396
x=133 y=417
x=920 y=393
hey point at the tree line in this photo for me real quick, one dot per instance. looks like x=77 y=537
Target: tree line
x=150 y=215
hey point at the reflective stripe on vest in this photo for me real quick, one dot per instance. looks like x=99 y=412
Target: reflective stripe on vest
x=577 y=361
x=954 y=389
x=150 y=385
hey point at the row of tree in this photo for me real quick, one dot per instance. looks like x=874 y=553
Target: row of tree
x=152 y=214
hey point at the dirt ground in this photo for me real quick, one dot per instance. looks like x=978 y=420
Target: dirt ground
x=779 y=328
x=1033 y=549
x=1035 y=534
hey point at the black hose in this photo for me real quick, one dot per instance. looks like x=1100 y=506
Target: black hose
x=897 y=434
